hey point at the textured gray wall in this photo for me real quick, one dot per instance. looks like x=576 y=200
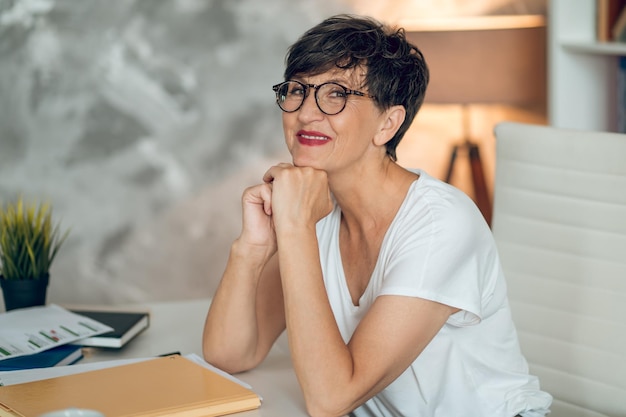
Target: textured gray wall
x=142 y=121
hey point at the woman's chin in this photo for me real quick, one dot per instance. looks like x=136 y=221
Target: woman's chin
x=305 y=162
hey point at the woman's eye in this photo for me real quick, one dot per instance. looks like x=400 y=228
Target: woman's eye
x=337 y=93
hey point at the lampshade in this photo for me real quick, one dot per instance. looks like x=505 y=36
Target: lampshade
x=484 y=59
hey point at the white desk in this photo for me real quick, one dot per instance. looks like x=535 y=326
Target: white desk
x=177 y=327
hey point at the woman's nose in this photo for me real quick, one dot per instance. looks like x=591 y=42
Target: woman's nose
x=309 y=109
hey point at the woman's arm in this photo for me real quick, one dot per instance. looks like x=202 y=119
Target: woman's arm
x=337 y=377
x=246 y=314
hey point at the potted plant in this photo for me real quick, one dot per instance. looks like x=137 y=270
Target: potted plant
x=29 y=242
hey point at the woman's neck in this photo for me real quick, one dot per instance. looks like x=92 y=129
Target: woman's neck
x=370 y=197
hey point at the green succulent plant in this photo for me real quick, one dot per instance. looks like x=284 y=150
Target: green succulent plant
x=29 y=241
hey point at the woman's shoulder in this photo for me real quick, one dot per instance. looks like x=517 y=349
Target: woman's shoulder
x=435 y=208
x=438 y=198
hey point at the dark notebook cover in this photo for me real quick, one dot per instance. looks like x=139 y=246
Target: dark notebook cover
x=57 y=356
x=126 y=326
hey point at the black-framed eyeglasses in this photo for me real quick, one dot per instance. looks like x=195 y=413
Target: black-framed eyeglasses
x=330 y=97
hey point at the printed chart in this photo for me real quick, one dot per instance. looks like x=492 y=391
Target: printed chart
x=31 y=330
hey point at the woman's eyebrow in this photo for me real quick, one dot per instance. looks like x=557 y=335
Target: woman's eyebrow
x=339 y=79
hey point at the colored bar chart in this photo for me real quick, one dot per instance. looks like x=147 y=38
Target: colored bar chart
x=31 y=330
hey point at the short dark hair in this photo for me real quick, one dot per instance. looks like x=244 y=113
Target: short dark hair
x=397 y=73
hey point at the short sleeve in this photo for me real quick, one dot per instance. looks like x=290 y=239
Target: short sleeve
x=439 y=248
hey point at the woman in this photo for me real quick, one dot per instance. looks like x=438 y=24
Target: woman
x=387 y=280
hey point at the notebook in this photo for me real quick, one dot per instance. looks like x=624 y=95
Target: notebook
x=57 y=356
x=167 y=386
x=126 y=325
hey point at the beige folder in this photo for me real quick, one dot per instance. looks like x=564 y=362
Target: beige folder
x=169 y=386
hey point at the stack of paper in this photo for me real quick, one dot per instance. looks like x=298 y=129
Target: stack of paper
x=37 y=329
x=46 y=336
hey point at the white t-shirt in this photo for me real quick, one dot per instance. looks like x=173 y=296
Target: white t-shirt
x=439 y=248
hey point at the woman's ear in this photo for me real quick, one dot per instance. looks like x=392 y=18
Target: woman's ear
x=394 y=117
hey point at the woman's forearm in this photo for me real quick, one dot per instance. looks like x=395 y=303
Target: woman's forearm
x=232 y=338
x=322 y=361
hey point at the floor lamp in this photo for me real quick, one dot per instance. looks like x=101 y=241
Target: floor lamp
x=482 y=60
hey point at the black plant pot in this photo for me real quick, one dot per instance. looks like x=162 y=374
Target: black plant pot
x=21 y=293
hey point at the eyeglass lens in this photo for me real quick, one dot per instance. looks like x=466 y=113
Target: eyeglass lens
x=330 y=97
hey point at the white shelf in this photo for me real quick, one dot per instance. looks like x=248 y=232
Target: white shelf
x=597 y=48
x=582 y=72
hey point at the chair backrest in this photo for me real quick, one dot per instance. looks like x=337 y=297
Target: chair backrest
x=559 y=221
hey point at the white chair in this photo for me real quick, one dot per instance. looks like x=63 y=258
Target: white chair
x=559 y=220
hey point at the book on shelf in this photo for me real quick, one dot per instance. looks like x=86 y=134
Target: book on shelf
x=168 y=386
x=607 y=14
x=621 y=94
x=619 y=28
x=58 y=356
x=126 y=325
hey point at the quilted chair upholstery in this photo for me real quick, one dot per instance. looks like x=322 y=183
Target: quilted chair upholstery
x=559 y=220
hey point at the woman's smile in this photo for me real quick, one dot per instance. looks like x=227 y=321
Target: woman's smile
x=311 y=138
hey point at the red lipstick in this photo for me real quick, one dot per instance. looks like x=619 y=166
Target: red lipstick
x=312 y=138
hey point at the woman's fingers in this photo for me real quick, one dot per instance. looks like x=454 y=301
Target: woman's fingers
x=271 y=173
x=259 y=195
x=266 y=193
